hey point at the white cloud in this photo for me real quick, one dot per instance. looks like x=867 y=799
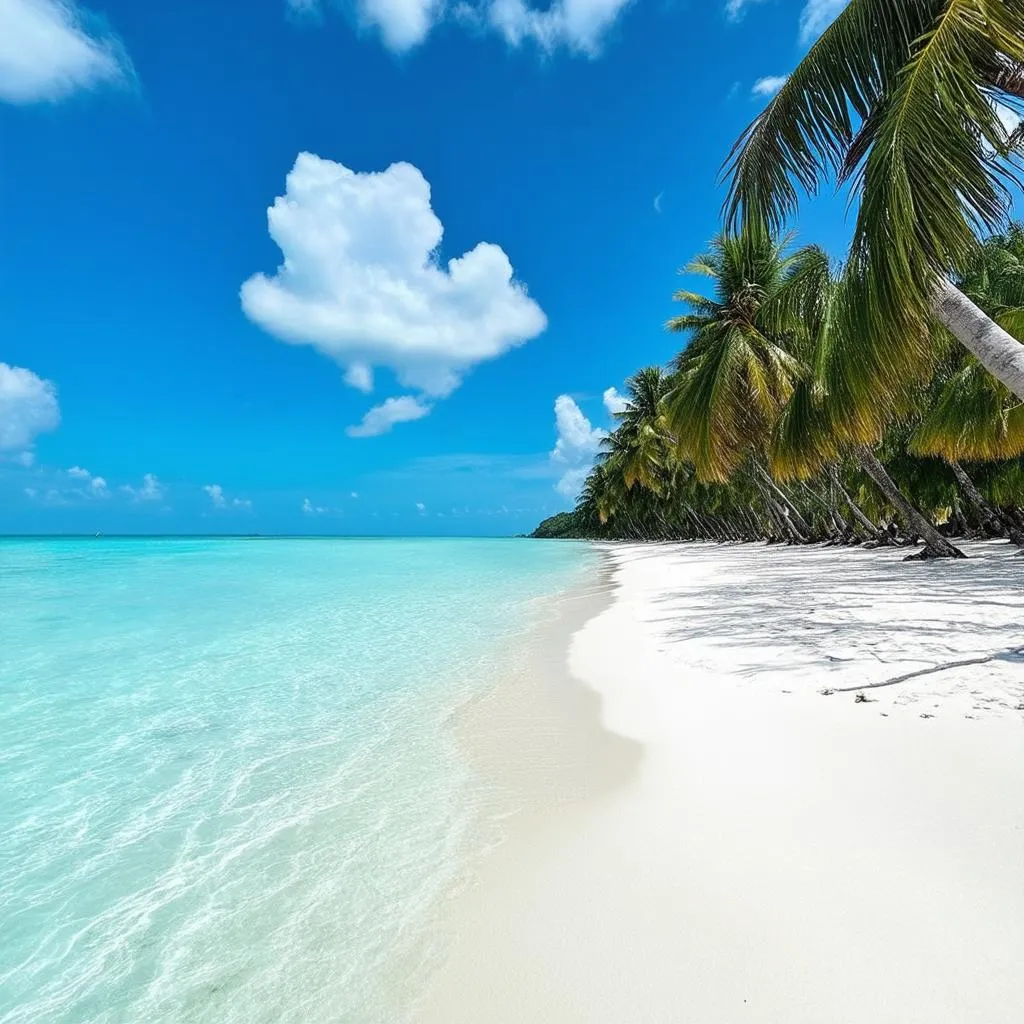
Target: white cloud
x=31 y=492
x=97 y=485
x=1009 y=118
x=362 y=283
x=360 y=377
x=220 y=500
x=312 y=510
x=769 y=85
x=578 y=25
x=420 y=507
x=613 y=401
x=216 y=493
x=736 y=9
x=151 y=489
x=816 y=16
x=381 y=418
x=571 y=482
x=26 y=458
x=354 y=494
x=657 y=202
x=28 y=406
x=402 y=24
x=577 y=444
x=47 y=51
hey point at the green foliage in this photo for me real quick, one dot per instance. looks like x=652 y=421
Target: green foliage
x=898 y=99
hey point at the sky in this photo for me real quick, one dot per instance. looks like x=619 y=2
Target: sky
x=369 y=267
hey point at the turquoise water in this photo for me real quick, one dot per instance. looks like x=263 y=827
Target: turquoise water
x=228 y=788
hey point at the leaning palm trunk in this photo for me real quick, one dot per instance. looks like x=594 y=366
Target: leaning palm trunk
x=935 y=544
x=858 y=513
x=991 y=520
x=792 y=514
x=997 y=350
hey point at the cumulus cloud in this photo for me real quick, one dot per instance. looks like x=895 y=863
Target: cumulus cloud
x=216 y=493
x=362 y=283
x=97 y=485
x=816 y=16
x=614 y=402
x=769 y=85
x=578 y=25
x=381 y=418
x=312 y=510
x=420 y=507
x=28 y=406
x=576 y=446
x=151 y=489
x=220 y=500
x=48 y=52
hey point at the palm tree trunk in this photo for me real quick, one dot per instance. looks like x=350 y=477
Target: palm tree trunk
x=990 y=518
x=934 y=542
x=791 y=512
x=997 y=350
x=840 y=526
x=858 y=513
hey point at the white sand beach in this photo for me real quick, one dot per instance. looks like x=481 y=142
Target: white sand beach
x=755 y=850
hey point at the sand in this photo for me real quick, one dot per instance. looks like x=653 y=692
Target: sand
x=753 y=850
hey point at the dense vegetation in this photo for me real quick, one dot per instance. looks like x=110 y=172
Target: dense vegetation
x=880 y=401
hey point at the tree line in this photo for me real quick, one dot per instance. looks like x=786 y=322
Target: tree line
x=879 y=400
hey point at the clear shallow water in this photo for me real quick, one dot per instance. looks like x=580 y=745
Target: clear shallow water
x=227 y=789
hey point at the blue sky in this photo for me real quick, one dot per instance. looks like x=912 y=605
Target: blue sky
x=566 y=159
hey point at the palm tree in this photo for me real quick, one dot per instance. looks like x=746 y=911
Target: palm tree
x=736 y=373
x=642 y=442
x=749 y=372
x=900 y=99
x=967 y=414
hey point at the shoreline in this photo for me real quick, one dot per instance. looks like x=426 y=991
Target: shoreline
x=771 y=853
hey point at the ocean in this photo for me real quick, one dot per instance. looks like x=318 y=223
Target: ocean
x=229 y=786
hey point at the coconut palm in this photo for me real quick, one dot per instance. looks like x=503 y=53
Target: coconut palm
x=748 y=374
x=642 y=442
x=902 y=100
x=968 y=415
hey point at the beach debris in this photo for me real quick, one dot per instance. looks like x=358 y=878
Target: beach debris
x=826 y=692
x=924 y=714
x=884 y=714
x=863 y=698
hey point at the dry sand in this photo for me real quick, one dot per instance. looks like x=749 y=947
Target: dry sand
x=752 y=850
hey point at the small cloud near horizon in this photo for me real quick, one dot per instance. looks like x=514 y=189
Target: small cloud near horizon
x=151 y=489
